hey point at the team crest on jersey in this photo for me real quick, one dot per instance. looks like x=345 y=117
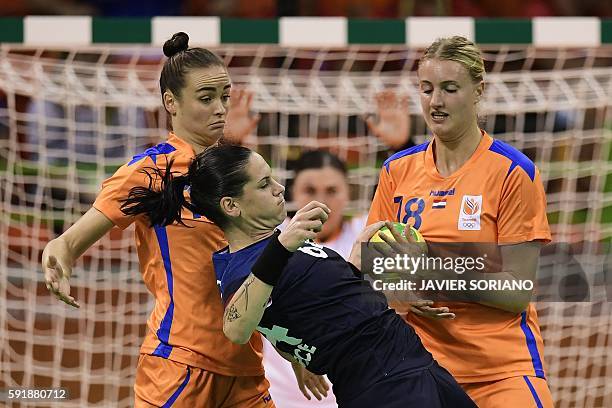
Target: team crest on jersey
x=469 y=214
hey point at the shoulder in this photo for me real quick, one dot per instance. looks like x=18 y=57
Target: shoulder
x=152 y=153
x=405 y=155
x=310 y=253
x=512 y=159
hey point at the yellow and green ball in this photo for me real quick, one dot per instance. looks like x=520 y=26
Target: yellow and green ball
x=401 y=228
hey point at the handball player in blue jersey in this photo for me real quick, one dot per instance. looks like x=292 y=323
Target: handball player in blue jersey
x=310 y=303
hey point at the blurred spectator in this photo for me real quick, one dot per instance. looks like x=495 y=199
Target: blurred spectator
x=234 y=8
x=277 y=8
x=505 y=8
x=44 y=7
x=149 y=8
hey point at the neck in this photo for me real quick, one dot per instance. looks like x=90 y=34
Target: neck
x=451 y=154
x=239 y=239
x=197 y=144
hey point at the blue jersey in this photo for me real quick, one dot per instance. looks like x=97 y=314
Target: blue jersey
x=328 y=318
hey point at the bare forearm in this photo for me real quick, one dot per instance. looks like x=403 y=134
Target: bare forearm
x=518 y=264
x=88 y=229
x=513 y=301
x=286 y=356
x=244 y=311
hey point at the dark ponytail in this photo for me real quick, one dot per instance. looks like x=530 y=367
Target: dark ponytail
x=163 y=199
x=215 y=173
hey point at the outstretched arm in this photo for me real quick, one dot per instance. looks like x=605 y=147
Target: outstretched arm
x=60 y=254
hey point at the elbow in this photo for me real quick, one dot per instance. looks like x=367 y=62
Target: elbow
x=516 y=308
x=518 y=304
x=235 y=334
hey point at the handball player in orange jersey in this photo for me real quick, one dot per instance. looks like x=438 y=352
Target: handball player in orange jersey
x=465 y=186
x=185 y=359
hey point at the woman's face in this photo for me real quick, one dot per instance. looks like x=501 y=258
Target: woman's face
x=327 y=185
x=262 y=204
x=449 y=98
x=202 y=106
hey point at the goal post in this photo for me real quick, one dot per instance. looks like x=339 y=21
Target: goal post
x=72 y=111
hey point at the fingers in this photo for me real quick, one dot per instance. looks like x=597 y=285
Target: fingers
x=386 y=99
x=312 y=225
x=408 y=234
x=63 y=294
x=389 y=240
x=422 y=302
x=373 y=125
x=384 y=250
x=53 y=270
x=311 y=205
x=317 y=385
x=432 y=312
x=369 y=231
x=398 y=236
x=235 y=97
x=313 y=388
x=303 y=389
x=315 y=214
x=313 y=211
x=249 y=98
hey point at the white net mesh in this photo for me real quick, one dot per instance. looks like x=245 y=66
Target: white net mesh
x=69 y=118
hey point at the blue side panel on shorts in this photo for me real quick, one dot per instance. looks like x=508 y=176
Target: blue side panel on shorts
x=531 y=345
x=163 y=333
x=533 y=392
x=178 y=391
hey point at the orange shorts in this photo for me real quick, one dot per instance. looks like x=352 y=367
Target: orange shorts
x=522 y=392
x=166 y=383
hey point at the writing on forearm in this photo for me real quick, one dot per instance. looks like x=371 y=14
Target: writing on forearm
x=232 y=314
x=245 y=309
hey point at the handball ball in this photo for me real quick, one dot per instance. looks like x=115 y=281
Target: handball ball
x=401 y=228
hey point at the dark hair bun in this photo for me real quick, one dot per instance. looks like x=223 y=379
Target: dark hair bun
x=179 y=42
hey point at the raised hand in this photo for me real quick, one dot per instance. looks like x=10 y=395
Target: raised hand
x=305 y=225
x=392 y=125
x=239 y=122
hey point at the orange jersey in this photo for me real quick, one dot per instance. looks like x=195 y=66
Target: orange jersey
x=495 y=197
x=176 y=264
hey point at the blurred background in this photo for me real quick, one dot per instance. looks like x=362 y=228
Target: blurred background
x=281 y=8
x=72 y=113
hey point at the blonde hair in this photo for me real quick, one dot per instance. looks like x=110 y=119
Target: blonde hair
x=458 y=49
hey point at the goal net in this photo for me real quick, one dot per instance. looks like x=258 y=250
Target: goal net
x=70 y=117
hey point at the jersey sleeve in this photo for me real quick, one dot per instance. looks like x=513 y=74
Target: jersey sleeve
x=117 y=188
x=522 y=210
x=382 y=204
x=228 y=289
